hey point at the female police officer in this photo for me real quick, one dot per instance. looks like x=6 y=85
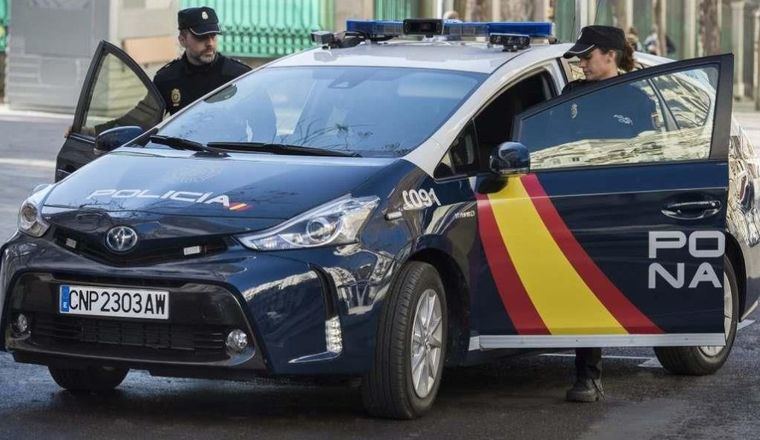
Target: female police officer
x=603 y=53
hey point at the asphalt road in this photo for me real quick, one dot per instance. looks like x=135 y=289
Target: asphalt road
x=514 y=398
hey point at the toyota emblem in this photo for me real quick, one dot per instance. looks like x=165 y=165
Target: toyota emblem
x=121 y=239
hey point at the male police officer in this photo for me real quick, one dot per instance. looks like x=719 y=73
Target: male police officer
x=603 y=52
x=198 y=71
x=201 y=68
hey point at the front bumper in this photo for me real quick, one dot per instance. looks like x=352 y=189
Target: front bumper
x=280 y=300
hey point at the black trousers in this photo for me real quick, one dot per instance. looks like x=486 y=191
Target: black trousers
x=588 y=363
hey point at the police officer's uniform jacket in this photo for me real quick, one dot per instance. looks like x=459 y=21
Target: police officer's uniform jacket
x=596 y=119
x=181 y=82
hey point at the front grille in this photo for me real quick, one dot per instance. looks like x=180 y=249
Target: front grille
x=147 y=252
x=132 y=339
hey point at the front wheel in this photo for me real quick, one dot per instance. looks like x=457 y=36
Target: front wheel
x=699 y=361
x=411 y=346
x=90 y=379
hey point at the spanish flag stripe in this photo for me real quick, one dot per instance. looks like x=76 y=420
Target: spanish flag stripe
x=520 y=309
x=613 y=299
x=561 y=296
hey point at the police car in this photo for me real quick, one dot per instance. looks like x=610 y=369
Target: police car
x=407 y=196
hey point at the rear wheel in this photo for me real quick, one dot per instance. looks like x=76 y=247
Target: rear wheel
x=96 y=379
x=411 y=346
x=698 y=361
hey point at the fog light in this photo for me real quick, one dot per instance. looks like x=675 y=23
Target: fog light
x=21 y=324
x=333 y=335
x=237 y=341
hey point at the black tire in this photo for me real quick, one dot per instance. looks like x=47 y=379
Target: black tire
x=90 y=379
x=693 y=361
x=388 y=389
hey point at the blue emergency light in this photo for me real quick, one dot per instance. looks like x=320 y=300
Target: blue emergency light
x=379 y=29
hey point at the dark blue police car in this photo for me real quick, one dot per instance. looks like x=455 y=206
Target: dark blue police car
x=383 y=207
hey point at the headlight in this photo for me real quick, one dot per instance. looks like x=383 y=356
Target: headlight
x=334 y=223
x=29 y=215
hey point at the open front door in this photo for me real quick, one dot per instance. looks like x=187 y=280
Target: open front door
x=616 y=236
x=116 y=92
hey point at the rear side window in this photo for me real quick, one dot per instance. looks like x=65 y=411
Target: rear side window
x=625 y=123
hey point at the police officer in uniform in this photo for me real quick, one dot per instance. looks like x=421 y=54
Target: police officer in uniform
x=201 y=68
x=603 y=52
x=198 y=71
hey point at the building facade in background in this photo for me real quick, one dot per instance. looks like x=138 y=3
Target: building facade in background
x=44 y=69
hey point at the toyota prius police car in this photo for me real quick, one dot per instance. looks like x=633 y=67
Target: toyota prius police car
x=407 y=196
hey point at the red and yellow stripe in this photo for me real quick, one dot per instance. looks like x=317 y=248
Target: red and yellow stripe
x=547 y=282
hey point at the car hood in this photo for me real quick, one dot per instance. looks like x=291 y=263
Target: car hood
x=242 y=186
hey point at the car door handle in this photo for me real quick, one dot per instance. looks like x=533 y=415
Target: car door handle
x=692 y=210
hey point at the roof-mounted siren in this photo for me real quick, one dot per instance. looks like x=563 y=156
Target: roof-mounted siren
x=323 y=38
x=428 y=27
x=376 y=30
x=336 y=40
x=517 y=35
x=510 y=42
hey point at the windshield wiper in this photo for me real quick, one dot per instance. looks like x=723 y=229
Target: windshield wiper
x=183 y=144
x=275 y=148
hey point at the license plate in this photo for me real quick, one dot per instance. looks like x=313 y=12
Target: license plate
x=113 y=301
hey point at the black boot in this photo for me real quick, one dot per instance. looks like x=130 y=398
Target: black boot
x=588 y=370
x=585 y=390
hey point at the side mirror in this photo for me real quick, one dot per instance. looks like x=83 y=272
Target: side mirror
x=115 y=137
x=510 y=158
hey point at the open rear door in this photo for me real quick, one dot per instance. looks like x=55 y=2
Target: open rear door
x=116 y=92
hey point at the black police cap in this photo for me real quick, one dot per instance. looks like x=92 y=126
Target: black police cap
x=606 y=37
x=200 y=21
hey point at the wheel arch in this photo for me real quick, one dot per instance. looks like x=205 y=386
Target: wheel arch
x=734 y=254
x=457 y=300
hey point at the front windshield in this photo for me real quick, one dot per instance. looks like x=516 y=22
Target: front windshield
x=372 y=111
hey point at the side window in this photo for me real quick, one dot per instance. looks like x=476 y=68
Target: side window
x=118 y=98
x=462 y=157
x=494 y=123
x=623 y=124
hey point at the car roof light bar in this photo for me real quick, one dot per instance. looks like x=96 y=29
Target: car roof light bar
x=379 y=29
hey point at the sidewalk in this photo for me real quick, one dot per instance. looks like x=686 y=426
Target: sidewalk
x=749 y=119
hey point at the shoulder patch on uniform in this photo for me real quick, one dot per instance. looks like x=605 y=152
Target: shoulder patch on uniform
x=234 y=67
x=169 y=64
x=166 y=69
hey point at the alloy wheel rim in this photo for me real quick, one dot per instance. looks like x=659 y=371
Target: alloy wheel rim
x=728 y=315
x=426 y=342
